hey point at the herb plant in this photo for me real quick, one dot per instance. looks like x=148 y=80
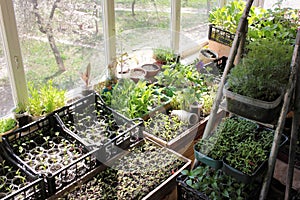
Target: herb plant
x=7 y=124
x=263 y=72
x=45 y=100
x=216 y=184
x=251 y=153
x=227 y=136
x=164 y=56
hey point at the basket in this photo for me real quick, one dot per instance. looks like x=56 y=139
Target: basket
x=219 y=35
x=31 y=187
x=95 y=125
x=47 y=150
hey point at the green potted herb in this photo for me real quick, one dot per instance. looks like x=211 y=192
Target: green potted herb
x=45 y=99
x=228 y=134
x=255 y=86
x=204 y=182
x=247 y=161
x=164 y=56
x=7 y=125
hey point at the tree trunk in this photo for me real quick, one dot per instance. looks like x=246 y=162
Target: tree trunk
x=58 y=59
x=47 y=29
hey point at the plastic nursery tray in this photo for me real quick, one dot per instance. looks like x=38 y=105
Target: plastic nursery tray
x=97 y=126
x=186 y=192
x=21 y=183
x=215 y=164
x=185 y=141
x=47 y=150
x=163 y=188
x=256 y=175
x=220 y=35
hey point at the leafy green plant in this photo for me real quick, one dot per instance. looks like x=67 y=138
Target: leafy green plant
x=133 y=100
x=228 y=135
x=45 y=100
x=251 y=153
x=216 y=184
x=280 y=22
x=228 y=16
x=7 y=124
x=164 y=55
x=263 y=72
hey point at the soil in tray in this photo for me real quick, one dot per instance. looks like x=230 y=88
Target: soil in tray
x=11 y=179
x=131 y=177
x=165 y=126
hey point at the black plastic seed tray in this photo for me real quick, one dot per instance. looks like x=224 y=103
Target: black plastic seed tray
x=16 y=182
x=219 y=35
x=46 y=149
x=98 y=126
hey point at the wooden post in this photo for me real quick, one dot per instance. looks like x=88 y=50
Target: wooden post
x=233 y=51
x=280 y=125
x=295 y=125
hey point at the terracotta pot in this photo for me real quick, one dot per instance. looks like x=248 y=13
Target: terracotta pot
x=151 y=69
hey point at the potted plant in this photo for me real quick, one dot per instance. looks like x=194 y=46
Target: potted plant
x=247 y=160
x=7 y=125
x=255 y=86
x=164 y=56
x=229 y=133
x=206 y=183
x=44 y=100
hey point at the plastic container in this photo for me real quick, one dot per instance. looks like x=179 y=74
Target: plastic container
x=157 y=188
x=34 y=188
x=185 y=192
x=19 y=143
x=220 y=35
x=257 y=175
x=115 y=130
x=216 y=164
x=258 y=110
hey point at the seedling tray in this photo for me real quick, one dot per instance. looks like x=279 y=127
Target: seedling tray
x=144 y=160
x=249 y=178
x=97 y=126
x=16 y=182
x=186 y=192
x=220 y=35
x=47 y=150
x=184 y=142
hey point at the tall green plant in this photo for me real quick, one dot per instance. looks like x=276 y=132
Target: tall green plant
x=45 y=100
x=264 y=71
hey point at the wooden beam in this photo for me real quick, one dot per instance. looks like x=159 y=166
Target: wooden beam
x=175 y=24
x=280 y=125
x=295 y=124
x=13 y=52
x=233 y=51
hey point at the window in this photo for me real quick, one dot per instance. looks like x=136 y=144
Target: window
x=6 y=97
x=142 y=24
x=59 y=39
x=194 y=22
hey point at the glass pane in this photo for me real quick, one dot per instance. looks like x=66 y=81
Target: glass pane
x=194 y=19
x=142 y=24
x=59 y=39
x=6 y=98
x=287 y=3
